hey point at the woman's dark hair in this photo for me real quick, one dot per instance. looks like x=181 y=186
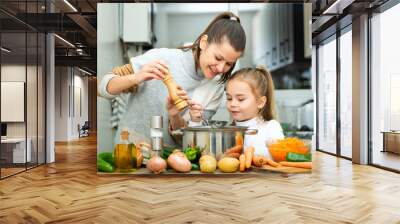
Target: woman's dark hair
x=262 y=84
x=224 y=25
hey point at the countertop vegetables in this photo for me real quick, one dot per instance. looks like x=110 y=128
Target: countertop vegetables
x=166 y=152
x=105 y=162
x=208 y=164
x=193 y=153
x=280 y=149
x=195 y=166
x=272 y=163
x=108 y=157
x=156 y=164
x=296 y=157
x=228 y=164
x=259 y=160
x=234 y=149
x=238 y=138
x=248 y=154
x=242 y=163
x=178 y=161
x=103 y=166
x=305 y=165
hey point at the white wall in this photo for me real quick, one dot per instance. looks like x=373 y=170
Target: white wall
x=109 y=55
x=61 y=103
x=67 y=115
x=17 y=73
x=34 y=124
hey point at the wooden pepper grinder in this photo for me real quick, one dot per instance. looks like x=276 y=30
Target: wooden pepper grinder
x=168 y=81
x=172 y=87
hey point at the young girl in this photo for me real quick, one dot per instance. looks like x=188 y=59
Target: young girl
x=251 y=103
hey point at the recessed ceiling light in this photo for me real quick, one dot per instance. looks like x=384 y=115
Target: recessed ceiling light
x=84 y=71
x=64 y=40
x=70 y=5
x=5 y=50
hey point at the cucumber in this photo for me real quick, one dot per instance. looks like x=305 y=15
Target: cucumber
x=108 y=157
x=296 y=157
x=195 y=166
x=104 y=166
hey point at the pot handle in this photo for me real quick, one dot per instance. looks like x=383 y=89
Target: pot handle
x=177 y=132
x=251 y=132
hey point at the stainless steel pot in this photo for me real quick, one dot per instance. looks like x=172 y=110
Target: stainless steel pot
x=215 y=138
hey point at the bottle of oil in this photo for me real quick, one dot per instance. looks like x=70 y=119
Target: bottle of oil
x=123 y=153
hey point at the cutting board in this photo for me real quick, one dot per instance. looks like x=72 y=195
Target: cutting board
x=281 y=169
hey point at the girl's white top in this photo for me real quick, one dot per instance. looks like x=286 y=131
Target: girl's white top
x=268 y=131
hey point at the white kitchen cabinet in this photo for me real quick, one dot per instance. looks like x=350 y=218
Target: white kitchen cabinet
x=258 y=45
x=273 y=40
x=136 y=23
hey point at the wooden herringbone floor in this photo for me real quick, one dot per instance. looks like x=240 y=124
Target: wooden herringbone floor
x=70 y=191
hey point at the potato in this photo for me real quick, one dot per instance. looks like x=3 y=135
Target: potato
x=208 y=164
x=228 y=165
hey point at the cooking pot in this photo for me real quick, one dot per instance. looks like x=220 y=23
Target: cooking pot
x=214 y=138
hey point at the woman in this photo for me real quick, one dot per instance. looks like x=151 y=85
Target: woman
x=200 y=70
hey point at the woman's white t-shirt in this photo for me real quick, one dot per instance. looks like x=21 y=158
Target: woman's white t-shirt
x=268 y=131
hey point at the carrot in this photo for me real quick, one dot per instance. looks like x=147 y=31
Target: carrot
x=259 y=160
x=248 y=153
x=234 y=149
x=305 y=165
x=242 y=163
x=239 y=138
x=273 y=163
x=233 y=154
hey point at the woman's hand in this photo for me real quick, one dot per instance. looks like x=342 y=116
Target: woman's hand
x=126 y=80
x=172 y=109
x=195 y=111
x=152 y=70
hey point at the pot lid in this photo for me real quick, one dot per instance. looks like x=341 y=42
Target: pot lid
x=213 y=128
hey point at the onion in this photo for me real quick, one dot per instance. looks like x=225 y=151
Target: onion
x=156 y=164
x=179 y=162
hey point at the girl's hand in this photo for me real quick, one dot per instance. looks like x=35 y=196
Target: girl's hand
x=172 y=109
x=152 y=70
x=195 y=111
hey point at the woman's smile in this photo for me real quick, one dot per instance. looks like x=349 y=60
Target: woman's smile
x=214 y=72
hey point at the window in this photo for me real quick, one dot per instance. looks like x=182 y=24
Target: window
x=385 y=88
x=346 y=93
x=327 y=96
